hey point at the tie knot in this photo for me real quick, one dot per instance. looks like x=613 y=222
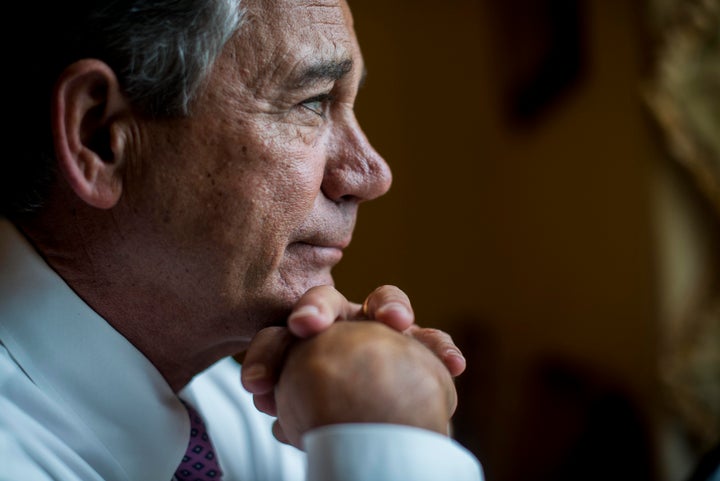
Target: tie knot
x=199 y=462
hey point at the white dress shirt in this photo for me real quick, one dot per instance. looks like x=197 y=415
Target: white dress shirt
x=80 y=402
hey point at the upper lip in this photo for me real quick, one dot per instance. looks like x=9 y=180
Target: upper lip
x=327 y=244
x=335 y=242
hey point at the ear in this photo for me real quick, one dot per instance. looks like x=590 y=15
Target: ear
x=90 y=130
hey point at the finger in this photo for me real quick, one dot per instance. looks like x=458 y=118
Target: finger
x=442 y=345
x=391 y=306
x=317 y=309
x=264 y=358
x=265 y=403
x=279 y=434
x=452 y=400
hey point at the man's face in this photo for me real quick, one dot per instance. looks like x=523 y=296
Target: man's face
x=246 y=204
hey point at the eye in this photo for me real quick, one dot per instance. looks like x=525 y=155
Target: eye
x=318 y=104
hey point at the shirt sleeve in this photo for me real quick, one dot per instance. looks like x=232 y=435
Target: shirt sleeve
x=386 y=452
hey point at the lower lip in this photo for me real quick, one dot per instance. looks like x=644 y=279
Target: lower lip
x=327 y=256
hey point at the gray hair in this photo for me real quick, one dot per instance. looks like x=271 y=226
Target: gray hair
x=161 y=51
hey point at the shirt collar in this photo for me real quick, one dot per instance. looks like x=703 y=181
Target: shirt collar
x=77 y=359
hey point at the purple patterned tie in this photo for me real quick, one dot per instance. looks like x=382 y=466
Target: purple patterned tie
x=199 y=462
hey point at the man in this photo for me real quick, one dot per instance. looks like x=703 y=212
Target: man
x=185 y=176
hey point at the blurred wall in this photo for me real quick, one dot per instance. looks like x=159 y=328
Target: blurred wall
x=531 y=241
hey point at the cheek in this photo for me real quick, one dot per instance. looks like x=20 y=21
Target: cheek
x=273 y=201
x=271 y=194
x=288 y=174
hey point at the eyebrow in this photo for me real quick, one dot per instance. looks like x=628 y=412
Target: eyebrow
x=324 y=71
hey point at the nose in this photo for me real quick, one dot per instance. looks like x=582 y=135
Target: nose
x=354 y=170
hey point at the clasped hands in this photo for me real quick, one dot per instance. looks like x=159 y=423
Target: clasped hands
x=383 y=368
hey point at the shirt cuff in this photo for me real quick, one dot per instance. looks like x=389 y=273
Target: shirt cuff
x=386 y=452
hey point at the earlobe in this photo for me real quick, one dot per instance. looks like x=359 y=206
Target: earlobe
x=89 y=123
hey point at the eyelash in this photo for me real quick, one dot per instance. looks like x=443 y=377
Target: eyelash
x=324 y=99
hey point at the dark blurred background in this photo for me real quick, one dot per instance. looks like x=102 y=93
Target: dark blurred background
x=538 y=215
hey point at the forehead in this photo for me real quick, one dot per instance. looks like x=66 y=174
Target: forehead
x=299 y=12
x=281 y=35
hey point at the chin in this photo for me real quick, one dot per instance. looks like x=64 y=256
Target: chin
x=321 y=279
x=293 y=289
x=272 y=304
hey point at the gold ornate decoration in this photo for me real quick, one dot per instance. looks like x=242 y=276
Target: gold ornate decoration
x=684 y=93
x=684 y=97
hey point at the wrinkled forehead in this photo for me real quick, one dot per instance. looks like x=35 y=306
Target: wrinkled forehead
x=279 y=34
x=304 y=11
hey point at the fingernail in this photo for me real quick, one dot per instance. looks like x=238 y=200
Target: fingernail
x=393 y=307
x=255 y=372
x=455 y=362
x=304 y=311
x=454 y=353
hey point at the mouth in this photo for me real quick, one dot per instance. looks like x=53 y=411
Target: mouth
x=322 y=255
x=322 y=251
